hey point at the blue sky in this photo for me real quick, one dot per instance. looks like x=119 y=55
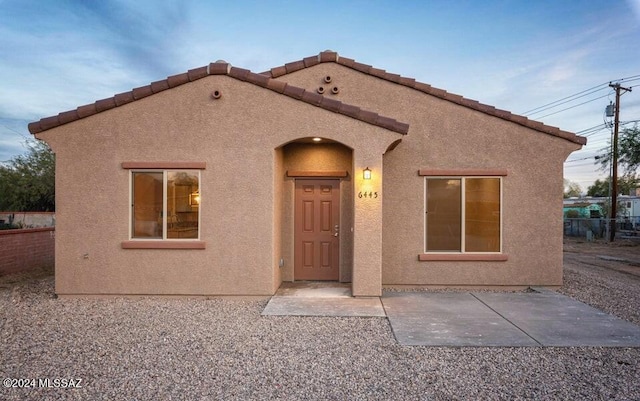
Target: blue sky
x=515 y=55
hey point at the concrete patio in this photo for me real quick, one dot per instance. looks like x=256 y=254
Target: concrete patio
x=541 y=318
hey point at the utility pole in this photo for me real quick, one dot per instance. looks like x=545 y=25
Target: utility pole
x=614 y=161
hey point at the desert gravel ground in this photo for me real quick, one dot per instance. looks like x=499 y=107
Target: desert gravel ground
x=178 y=349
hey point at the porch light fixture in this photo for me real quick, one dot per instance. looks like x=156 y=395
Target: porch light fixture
x=194 y=199
x=366 y=173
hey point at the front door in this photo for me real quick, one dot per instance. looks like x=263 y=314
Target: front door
x=317 y=230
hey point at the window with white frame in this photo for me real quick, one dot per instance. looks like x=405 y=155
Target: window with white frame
x=463 y=214
x=165 y=204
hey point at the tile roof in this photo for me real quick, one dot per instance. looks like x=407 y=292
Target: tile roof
x=329 y=56
x=219 y=68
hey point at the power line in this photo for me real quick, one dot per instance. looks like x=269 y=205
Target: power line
x=577 y=160
x=578 y=95
x=528 y=112
x=565 y=102
x=572 y=107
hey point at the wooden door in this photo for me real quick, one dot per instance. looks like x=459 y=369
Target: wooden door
x=317 y=230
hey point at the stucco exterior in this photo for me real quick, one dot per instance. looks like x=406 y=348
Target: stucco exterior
x=250 y=140
x=443 y=136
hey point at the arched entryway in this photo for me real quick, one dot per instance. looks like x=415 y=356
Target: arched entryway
x=317 y=210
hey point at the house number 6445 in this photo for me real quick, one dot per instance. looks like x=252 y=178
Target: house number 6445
x=367 y=194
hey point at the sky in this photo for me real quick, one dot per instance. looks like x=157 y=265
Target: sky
x=517 y=55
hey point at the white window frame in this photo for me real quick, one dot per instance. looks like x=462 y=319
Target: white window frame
x=463 y=215
x=164 y=204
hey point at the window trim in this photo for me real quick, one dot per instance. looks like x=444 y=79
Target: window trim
x=162 y=243
x=462 y=175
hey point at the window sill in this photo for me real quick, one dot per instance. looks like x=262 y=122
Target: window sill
x=163 y=244
x=477 y=257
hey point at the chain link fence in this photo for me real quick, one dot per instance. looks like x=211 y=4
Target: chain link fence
x=626 y=227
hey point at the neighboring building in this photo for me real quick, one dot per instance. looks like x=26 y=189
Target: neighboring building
x=628 y=206
x=210 y=183
x=583 y=210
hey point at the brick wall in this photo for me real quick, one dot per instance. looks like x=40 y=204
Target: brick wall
x=27 y=249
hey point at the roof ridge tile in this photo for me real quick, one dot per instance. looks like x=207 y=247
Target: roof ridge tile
x=68 y=116
x=198 y=73
x=327 y=56
x=239 y=73
x=105 y=104
x=276 y=86
x=142 y=92
x=293 y=91
x=219 y=68
x=159 y=86
x=179 y=79
x=258 y=79
x=123 y=98
x=294 y=66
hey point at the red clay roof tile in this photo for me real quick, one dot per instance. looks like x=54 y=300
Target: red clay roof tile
x=293 y=91
x=311 y=98
x=159 y=86
x=141 y=92
x=368 y=116
x=410 y=82
x=49 y=122
x=197 y=73
x=276 y=86
x=386 y=122
x=68 y=116
x=349 y=110
x=402 y=128
x=295 y=66
x=278 y=71
x=258 y=79
x=346 y=61
x=377 y=72
x=422 y=87
x=87 y=110
x=310 y=61
x=331 y=104
x=176 y=80
x=328 y=55
x=105 y=104
x=239 y=73
x=123 y=98
x=34 y=127
x=218 y=68
x=393 y=77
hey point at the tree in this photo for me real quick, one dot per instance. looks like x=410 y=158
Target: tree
x=27 y=182
x=626 y=184
x=571 y=189
x=628 y=151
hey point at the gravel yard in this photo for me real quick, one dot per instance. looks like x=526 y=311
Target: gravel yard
x=175 y=349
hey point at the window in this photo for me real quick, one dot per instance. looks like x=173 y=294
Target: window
x=165 y=204
x=463 y=214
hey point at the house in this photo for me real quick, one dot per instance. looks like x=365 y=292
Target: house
x=221 y=181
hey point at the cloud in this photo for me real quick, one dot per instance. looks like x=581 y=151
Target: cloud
x=635 y=8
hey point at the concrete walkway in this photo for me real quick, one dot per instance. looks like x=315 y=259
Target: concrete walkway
x=457 y=319
x=321 y=299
